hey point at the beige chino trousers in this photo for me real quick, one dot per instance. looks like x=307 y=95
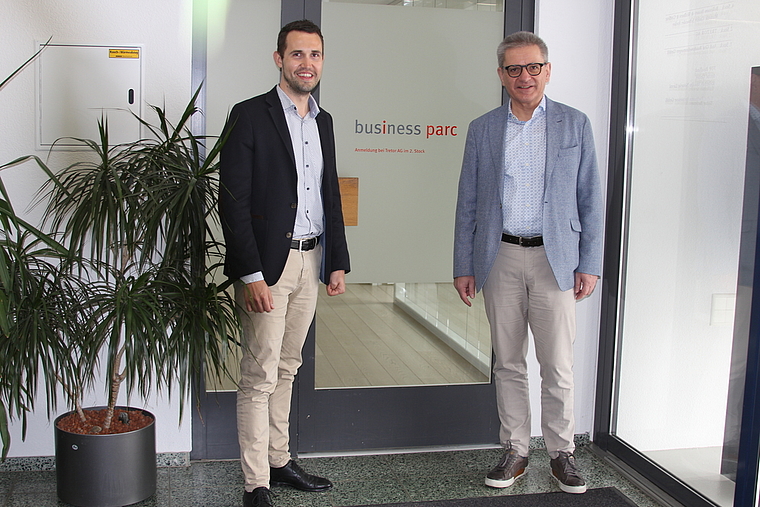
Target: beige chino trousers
x=271 y=357
x=521 y=291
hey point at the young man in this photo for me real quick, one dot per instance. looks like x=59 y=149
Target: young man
x=283 y=227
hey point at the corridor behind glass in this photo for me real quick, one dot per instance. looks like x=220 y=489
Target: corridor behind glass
x=379 y=335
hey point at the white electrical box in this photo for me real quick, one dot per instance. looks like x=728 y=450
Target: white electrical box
x=80 y=84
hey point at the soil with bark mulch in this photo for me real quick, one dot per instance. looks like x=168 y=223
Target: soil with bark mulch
x=133 y=420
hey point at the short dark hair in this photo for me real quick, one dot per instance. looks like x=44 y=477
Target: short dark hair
x=303 y=25
x=521 y=39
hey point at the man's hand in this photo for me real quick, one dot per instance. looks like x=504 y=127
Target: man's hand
x=337 y=283
x=465 y=286
x=584 y=285
x=258 y=297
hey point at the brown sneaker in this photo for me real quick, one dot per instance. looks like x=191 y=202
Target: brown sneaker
x=511 y=466
x=567 y=475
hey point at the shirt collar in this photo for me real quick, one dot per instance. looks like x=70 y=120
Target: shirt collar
x=541 y=107
x=287 y=103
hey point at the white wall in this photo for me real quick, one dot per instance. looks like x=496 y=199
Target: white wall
x=164 y=28
x=579 y=36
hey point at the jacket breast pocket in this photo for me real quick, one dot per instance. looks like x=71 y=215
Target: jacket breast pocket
x=570 y=156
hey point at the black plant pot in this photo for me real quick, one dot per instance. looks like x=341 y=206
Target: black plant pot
x=106 y=470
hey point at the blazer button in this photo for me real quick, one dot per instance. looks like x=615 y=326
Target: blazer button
x=294 y=205
x=289 y=235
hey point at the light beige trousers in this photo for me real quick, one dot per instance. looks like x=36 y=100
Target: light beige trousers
x=271 y=357
x=521 y=291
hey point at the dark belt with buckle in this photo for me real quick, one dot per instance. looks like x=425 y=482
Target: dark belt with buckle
x=518 y=240
x=303 y=245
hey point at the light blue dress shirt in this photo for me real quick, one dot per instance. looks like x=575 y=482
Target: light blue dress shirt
x=304 y=135
x=524 y=168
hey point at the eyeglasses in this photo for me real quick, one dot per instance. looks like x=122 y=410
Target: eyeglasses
x=533 y=69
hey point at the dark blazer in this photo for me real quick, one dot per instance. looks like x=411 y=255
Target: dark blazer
x=258 y=195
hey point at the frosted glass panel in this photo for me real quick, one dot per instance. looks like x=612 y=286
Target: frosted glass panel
x=403 y=85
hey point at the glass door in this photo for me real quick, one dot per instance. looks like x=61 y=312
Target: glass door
x=399 y=361
x=681 y=244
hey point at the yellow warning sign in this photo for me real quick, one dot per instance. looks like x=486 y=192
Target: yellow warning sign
x=123 y=53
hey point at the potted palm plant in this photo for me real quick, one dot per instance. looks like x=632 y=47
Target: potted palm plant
x=132 y=229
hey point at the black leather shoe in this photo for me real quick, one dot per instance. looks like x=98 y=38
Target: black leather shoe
x=293 y=475
x=259 y=497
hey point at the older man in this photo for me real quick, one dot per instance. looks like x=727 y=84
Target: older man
x=529 y=234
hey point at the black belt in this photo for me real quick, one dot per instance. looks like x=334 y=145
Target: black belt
x=304 y=245
x=518 y=240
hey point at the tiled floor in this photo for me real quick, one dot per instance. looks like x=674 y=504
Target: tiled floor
x=359 y=480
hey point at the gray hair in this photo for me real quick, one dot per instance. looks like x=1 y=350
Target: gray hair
x=521 y=39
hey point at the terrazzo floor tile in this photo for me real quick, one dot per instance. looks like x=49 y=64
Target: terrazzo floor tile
x=351 y=467
x=34 y=482
x=285 y=496
x=160 y=498
x=481 y=460
x=206 y=497
x=352 y=492
x=424 y=463
x=359 y=480
x=638 y=498
x=163 y=479
x=446 y=487
x=216 y=473
x=35 y=500
x=6 y=483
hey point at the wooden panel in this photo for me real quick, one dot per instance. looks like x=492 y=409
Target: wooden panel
x=349 y=193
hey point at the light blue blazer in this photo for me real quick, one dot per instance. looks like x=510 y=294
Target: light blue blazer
x=573 y=207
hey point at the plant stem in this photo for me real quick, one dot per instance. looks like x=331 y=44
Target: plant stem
x=75 y=396
x=116 y=381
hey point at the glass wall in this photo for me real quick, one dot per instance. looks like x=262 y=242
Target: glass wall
x=403 y=84
x=690 y=219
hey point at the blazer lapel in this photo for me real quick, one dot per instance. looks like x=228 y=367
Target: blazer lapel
x=554 y=129
x=497 y=128
x=278 y=116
